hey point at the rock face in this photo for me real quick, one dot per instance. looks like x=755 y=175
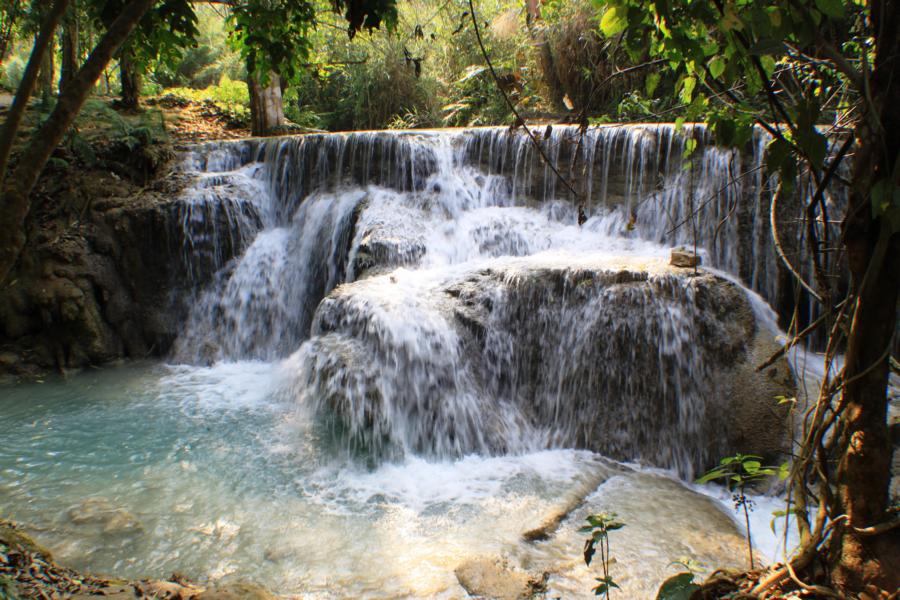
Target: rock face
x=114 y=282
x=645 y=363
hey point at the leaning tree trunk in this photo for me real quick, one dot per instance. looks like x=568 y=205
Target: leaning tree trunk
x=48 y=68
x=130 y=76
x=870 y=556
x=14 y=205
x=69 y=61
x=266 y=105
x=26 y=88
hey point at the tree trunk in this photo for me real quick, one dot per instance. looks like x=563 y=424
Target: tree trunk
x=130 y=77
x=266 y=106
x=26 y=87
x=541 y=43
x=46 y=79
x=14 y=205
x=69 y=63
x=873 y=255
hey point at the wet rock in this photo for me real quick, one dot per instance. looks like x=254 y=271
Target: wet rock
x=637 y=362
x=8 y=359
x=380 y=252
x=101 y=513
x=495 y=578
x=684 y=258
x=236 y=591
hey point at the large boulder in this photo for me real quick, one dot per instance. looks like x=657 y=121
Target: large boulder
x=639 y=361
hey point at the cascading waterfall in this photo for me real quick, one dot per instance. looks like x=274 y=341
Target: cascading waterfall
x=402 y=352
x=402 y=362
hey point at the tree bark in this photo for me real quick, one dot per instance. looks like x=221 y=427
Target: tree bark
x=266 y=105
x=130 y=77
x=46 y=77
x=69 y=62
x=541 y=42
x=26 y=86
x=873 y=255
x=15 y=204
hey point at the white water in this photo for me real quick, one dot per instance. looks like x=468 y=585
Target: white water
x=358 y=446
x=221 y=479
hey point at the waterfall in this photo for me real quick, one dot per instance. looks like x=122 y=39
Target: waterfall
x=433 y=293
x=526 y=354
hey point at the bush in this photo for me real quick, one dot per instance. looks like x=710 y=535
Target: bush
x=229 y=98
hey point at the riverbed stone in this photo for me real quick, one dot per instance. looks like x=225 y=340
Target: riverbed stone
x=494 y=578
x=684 y=258
x=100 y=512
x=241 y=590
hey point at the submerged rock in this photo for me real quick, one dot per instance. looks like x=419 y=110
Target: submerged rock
x=101 y=513
x=495 y=578
x=633 y=360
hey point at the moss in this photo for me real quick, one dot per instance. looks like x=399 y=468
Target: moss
x=14 y=538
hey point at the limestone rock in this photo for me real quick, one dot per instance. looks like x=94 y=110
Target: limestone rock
x=635 y=361
x=241 y=590
x=684 y=258
x=102 y=513
x=494 y=578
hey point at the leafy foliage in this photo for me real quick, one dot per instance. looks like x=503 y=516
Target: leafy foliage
x=738 y=472
x=273 y=35
x=678 y=587
x=162 y=35
x=599 y=526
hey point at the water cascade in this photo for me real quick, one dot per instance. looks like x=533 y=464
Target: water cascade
x=401 y=351
x=473 y=314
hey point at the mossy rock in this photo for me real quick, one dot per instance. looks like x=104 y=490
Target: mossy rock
x=15 y=539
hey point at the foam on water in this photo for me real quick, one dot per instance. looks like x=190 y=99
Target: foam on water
x=216 y=477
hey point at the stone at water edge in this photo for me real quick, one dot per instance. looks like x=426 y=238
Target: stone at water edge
x=494 y=578
x=684 y=258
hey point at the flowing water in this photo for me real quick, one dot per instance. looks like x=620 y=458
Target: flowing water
x=392 y=368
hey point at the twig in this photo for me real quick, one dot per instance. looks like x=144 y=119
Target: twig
x=791 y=343
x=512 y=107
x=780 y=249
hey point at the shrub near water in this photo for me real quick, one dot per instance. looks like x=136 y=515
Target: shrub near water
x=230 y=98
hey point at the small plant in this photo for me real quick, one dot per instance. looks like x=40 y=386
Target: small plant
x=599 y=527
x=738 y=472
x=680 y=586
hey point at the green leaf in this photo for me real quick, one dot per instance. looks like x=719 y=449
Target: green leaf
x=651 y=83
x=687 y=89
x=778 y=153
x=589 y=551
x=777 y=514
x=678 y=587
x=831 y=8
x=717 y=66
x=784 y=469
x=614 y=21
x=689 y=147
x=712 y=475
